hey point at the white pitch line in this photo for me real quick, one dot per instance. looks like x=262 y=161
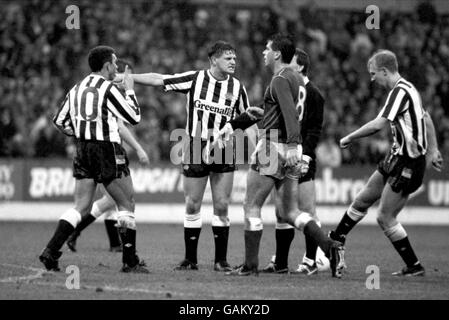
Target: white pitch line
x=37 y=275
x=108 y=288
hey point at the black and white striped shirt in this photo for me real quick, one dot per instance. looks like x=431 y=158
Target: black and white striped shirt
x=92 y=107
x=210 y=103
x=405 y=111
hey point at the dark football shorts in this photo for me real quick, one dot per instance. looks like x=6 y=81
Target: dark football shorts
x=195 y=164
x=102 y=161
x=402 y=173
x=310 y=175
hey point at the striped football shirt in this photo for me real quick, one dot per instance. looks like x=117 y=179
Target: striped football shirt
x=210 y=102
x=405 y=112
x=92 y=107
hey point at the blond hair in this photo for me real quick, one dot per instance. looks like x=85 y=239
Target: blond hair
x=384 y=59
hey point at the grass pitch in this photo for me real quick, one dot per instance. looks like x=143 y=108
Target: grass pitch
x=162 y=246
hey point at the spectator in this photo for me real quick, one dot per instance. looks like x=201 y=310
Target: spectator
x=39 y=57
x=328 y=152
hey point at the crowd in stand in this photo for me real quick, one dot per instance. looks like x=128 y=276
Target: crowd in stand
x=40 y=59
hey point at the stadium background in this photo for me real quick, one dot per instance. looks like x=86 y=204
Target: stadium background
x=40 y=59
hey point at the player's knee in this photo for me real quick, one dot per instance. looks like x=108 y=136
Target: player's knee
x=385 y=220
x=252 y=211
x=253 y=223
x=72 y=216
x=128 y=205
x=307 y=207
x=132 y=204
x=360 y=205
x=126 y=219
x=221 y=207
x=192 y=205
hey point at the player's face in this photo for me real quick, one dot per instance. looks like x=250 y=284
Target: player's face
x=269 y=55
x=378 y=76
x=226 y=62
x=112 y=67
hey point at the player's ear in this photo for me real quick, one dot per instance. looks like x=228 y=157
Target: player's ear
x=106 y=65
x=300 y=68
x=277 y=55
x=212 y=60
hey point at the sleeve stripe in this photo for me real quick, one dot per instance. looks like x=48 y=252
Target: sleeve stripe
x=179 y=80
x=121 y=105
x=393 y=103
x=244 y=104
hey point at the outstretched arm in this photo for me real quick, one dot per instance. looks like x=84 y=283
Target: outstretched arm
x=149 y=79
x=367 y=129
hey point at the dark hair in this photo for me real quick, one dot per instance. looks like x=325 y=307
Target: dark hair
x=302 y=59
x=384 y=59
x=285 y=45
x=98 y=56
x=218 y=48
x=121 y=64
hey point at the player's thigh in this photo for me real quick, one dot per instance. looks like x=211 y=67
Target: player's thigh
x=307 y=197
x=105 y=202
x=391 y=203
x=287 y=194
x=370 y=192
x=221 y=187
x=84 y=194
x=258 y=187
x=122 y=192
x=194 y=190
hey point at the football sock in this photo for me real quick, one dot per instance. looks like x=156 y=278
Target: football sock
x=405 y=250
x=311 y=247
x=128 y=237
x=346 y=224
x=400 y=241
x=112 y=231
x=312 y=230
x=252 y=242
x=62 y=232
x=221 y=235
x=284 y=238
x=86 y=220
x=191 y=236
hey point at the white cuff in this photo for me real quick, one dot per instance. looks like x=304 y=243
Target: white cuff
x=130 y=92
x=306 y=158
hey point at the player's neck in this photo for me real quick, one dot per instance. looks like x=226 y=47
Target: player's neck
x=104 y=74
x=219 y=76
x=279 y=66
x=393 y=80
